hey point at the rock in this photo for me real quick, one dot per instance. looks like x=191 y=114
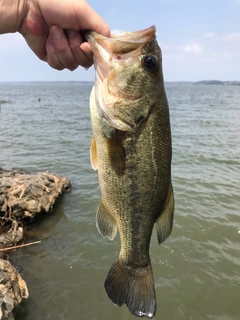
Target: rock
x=12 y=289
x=23 y=196
x=13 y=235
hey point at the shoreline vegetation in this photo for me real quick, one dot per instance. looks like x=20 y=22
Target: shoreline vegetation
x=23 y=197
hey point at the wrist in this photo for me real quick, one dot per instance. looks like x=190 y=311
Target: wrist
x=12 y=14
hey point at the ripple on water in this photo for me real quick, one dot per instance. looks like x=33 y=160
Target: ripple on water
x=197 y=270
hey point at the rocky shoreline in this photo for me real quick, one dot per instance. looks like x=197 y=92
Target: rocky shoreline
x=23 y=197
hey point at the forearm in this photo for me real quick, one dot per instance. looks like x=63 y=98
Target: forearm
x=12 y=14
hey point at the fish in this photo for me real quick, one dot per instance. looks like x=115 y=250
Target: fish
x=132 y=150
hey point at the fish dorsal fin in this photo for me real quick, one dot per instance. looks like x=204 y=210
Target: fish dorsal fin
x=105 y=223
x=165 y=221
x=93 y=154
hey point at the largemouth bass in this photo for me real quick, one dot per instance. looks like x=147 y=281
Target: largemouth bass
x=131 y=149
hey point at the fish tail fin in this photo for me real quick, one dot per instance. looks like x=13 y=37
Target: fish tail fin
x=135 y=287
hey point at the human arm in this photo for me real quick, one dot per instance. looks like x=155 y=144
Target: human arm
x=12 y=12
x=52 y=29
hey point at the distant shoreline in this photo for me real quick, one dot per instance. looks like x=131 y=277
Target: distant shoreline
x=218 y=82
x=201 y=82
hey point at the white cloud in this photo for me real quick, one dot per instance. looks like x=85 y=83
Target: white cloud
x=117 y=31
x=191 y=48
x=234 y=37
x=209 y=35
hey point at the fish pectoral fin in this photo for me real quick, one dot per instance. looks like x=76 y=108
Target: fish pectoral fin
x=106 y=225
x=165 y=221
x=93 y=154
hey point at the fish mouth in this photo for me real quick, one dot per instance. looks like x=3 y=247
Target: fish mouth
x=107 y=54
x=125 y=46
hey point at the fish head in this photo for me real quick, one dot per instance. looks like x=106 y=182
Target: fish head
x=129 y=79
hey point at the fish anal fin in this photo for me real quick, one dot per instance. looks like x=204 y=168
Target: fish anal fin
x=134 y=287
x=164 y=223
x=93 y=154
x=106 y=225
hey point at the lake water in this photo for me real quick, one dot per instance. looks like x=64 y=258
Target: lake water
x=197 y=270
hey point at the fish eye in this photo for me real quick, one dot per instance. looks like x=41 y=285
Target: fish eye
x=150 y=62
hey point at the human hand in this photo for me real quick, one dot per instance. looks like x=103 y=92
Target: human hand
x=52 y=31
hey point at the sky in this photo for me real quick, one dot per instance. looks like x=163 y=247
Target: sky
x=200 y=40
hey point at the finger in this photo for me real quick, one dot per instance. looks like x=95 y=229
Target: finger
x=88 y=19
x=62 y=48
x=75 y=41
x=85 y=47
x=37 y=44
x=52 y=58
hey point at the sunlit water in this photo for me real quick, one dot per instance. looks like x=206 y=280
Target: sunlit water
x=197 y=270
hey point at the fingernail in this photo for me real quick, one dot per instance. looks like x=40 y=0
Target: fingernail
x=70 y=33
x=56 y=33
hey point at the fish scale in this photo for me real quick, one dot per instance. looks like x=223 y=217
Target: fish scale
x=131 y=149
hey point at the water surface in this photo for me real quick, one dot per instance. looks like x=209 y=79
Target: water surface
x=197 y=270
